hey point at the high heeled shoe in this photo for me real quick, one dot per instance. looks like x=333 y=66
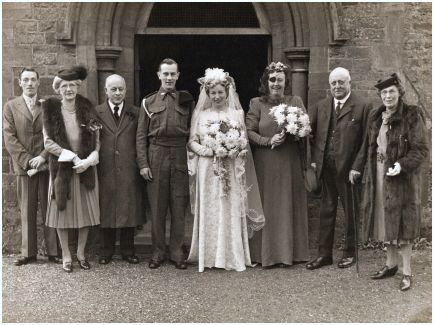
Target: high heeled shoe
x=405 y=283
x=67 y=267
x=83 y=264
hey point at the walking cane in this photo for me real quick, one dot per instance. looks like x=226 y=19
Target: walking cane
x=356 y=225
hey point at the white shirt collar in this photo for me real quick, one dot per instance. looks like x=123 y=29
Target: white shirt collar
x=29 y=100
x=112 y=107
x=342 y=101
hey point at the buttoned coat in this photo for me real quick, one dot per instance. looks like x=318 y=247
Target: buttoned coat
x=23 y=133
x=407 y=144
x=349 y=134
x=121 y=187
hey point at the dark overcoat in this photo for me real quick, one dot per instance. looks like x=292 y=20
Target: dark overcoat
x=406 y=144
x=121 y=187
x=350 y=132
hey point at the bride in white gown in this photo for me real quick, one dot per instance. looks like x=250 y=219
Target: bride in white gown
x=221 y=188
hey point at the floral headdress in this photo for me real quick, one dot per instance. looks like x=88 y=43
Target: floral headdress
x=277 y=67
x=214 y=76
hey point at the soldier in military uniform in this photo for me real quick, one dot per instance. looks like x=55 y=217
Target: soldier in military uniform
x=162 y=135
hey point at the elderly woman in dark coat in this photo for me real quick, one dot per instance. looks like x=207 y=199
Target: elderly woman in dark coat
x=397 y=146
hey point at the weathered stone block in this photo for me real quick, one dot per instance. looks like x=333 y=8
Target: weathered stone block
x=337 y=52
x=45 y=88
x=5 y=164
x=386 y=57
x=44 y=59
x=25 y=26
x=29 y=38
x=8 y=36
x=338 y=62
x=8 y=6
x=21 y=55
x=47 y=26
x=362 y=65
x=67 y=59
x=55 y=11
x=358 y=52
x=9 y=194
x=8 y=179
x=50 y=38
x=369 y=34
x=20 y=13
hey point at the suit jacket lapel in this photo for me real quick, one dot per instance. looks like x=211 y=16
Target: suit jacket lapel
x=22 y=107
x=106 y=115
x=37 y=110
x=326 y=111
x=125 y=120
x=347 y=107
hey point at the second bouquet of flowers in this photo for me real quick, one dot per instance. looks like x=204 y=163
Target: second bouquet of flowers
x=292 y=120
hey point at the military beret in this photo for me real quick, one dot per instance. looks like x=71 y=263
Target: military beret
x=393 y=80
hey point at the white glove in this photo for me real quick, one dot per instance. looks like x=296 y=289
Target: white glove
x=32 y=172
x=36 y=162
x=82 y=165
x=94 y=158
x=353 y=176
x=395 y=170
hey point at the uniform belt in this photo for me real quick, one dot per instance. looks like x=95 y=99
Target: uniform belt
x=169 y=142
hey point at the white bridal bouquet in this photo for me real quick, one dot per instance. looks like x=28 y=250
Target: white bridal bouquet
x=292 y=120
x=226 y=139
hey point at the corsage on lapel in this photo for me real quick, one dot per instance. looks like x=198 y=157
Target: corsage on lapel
x=92 y=126
x=130 y=115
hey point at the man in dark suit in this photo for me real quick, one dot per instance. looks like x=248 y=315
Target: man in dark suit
x=22 y=131
x=339 y=126
x=121 y=188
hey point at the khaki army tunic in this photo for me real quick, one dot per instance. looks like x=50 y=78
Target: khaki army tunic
x=162 y=136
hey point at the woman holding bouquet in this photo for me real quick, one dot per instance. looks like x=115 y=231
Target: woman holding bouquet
x=220 y=173
x=71 y=137
x=278 y=162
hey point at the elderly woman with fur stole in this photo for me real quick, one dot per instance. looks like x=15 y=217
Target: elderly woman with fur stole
x=397 y=146
x=71 y=136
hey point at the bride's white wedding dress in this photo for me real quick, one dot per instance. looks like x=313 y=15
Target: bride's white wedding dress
x=220 y=236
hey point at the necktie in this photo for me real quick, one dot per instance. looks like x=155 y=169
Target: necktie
x=170 y=93
x=338 y=108
x=116 y=114
x=31 y=107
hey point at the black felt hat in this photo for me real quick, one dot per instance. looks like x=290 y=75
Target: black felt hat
x=393 y=80
x=74 y=73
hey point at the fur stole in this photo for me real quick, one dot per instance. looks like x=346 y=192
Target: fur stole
x=61 y=172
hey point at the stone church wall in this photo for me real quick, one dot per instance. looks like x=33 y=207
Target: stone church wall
x=382 y=38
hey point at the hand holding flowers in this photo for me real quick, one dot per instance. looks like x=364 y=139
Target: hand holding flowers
x=226 y=140
x=292 y=120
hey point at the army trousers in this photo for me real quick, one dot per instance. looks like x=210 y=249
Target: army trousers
x=168 y=191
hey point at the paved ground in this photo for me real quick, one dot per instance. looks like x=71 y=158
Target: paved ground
x=120 y=292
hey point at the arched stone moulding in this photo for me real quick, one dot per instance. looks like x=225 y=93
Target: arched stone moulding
x=301 y=33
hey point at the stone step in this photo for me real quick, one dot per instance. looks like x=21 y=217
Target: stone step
x=143 y=238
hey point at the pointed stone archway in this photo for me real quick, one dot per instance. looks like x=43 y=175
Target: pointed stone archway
x=104 y=37
x=301 y=34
